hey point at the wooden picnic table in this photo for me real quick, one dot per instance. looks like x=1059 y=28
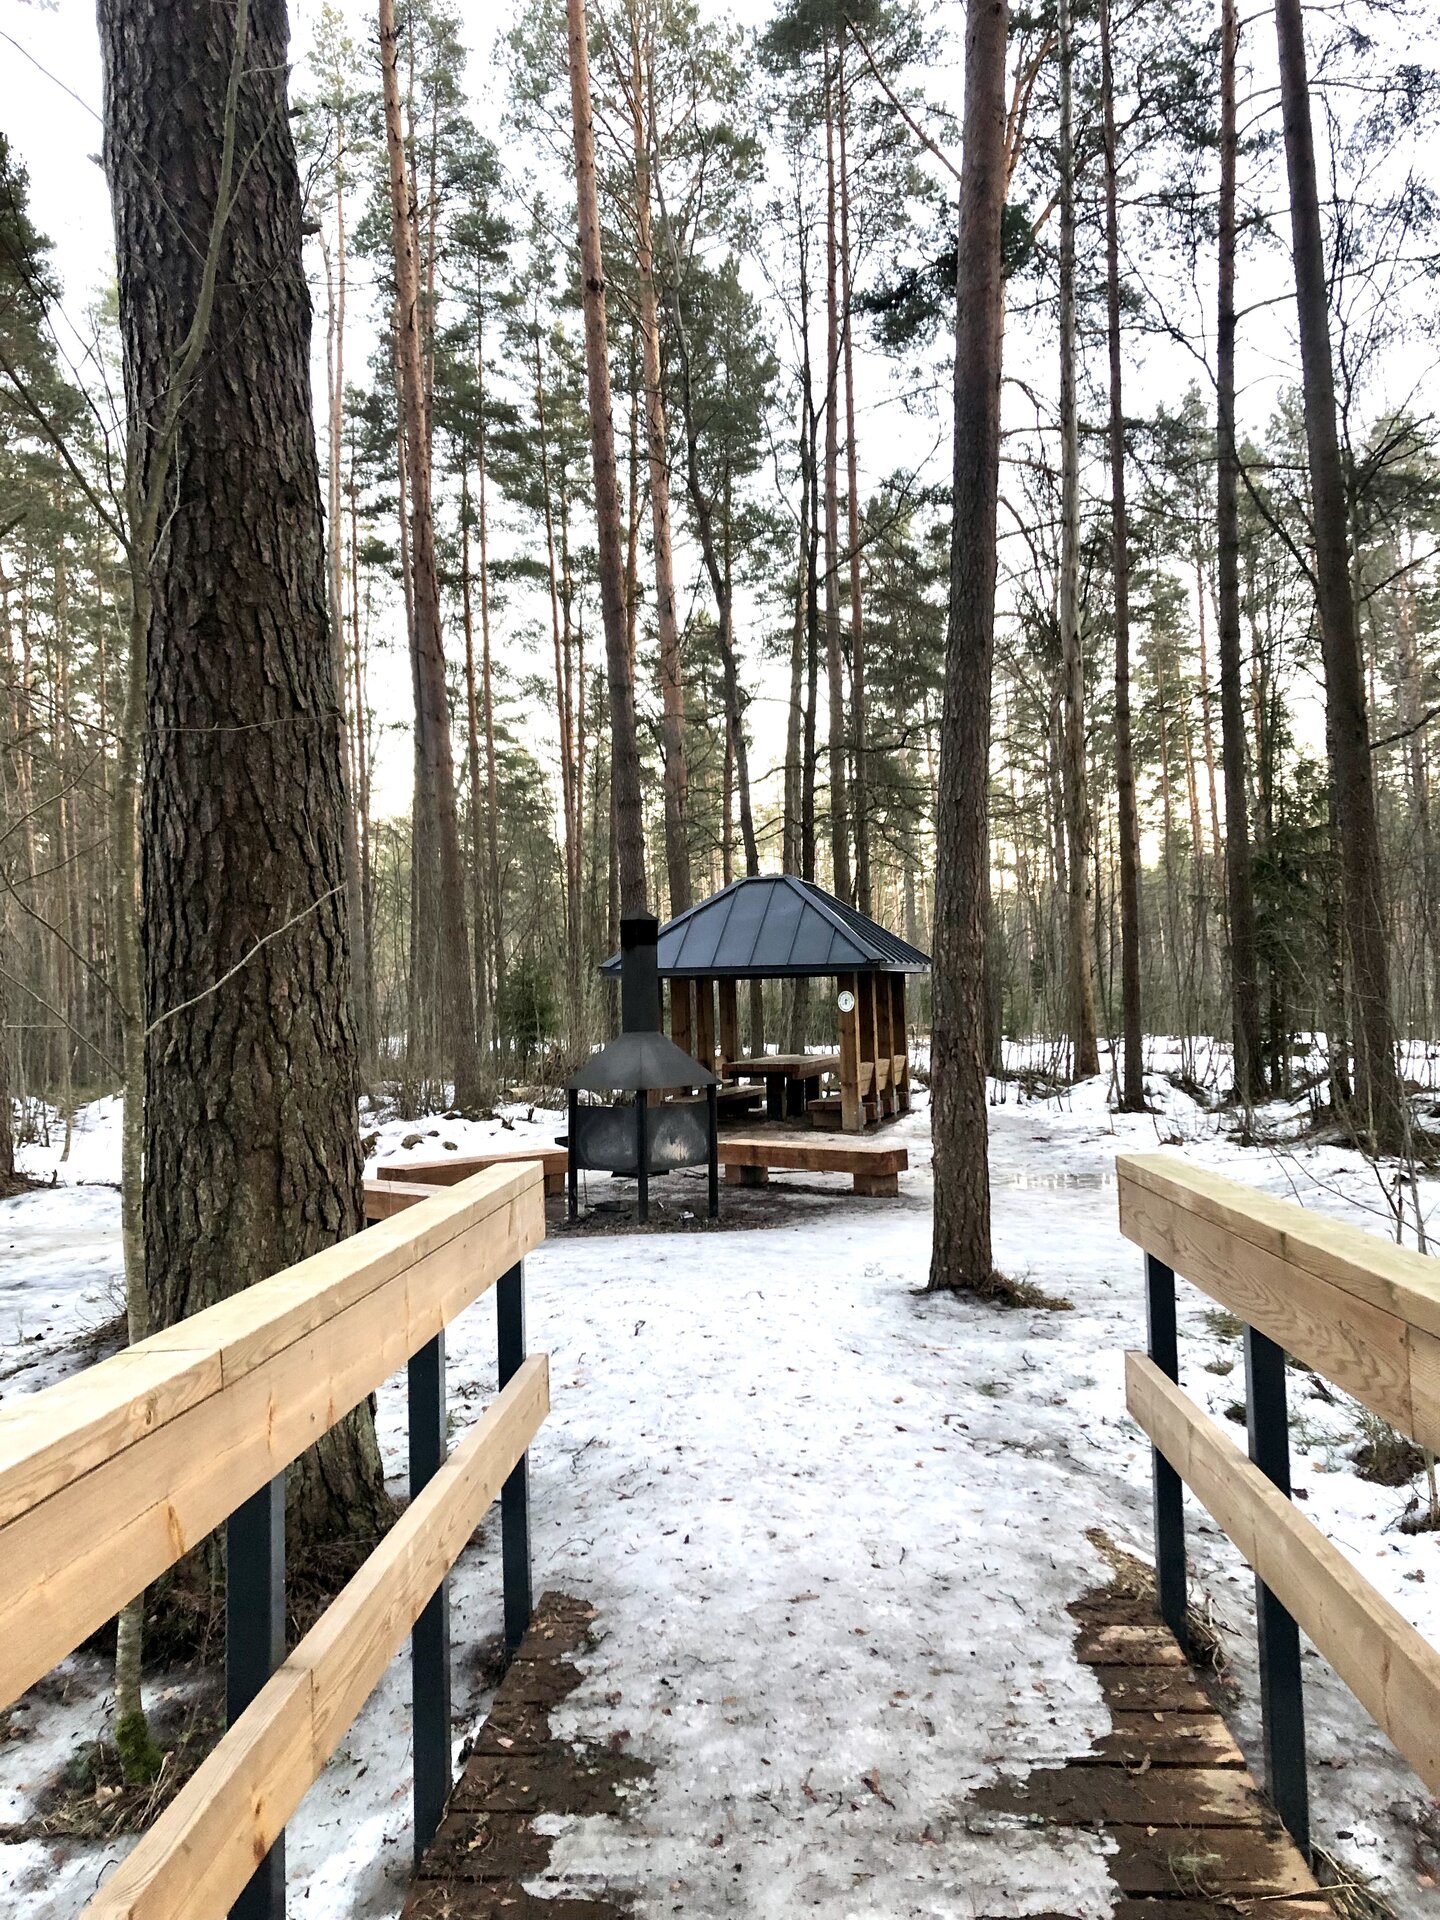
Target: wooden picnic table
x=786 y=1076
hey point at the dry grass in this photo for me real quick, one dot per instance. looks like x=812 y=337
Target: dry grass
x=1351 y=1895
x=88 y=1798
x=1134 y=1579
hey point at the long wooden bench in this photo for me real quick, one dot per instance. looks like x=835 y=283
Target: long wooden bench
x=450 y=1169
x=875 y=1165
x=385 y=1198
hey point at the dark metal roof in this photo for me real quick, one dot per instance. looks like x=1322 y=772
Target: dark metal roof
x=773 y=926
x=635 y=1060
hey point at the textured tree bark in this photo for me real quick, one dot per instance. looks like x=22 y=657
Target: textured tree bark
x=624 y=745
x=472 y=768
x=1132 y=1088
x=252 y=1153
x=672 y=686
x=1379 y=1116
x=1085 y=1054
x=432 y=709
x=961 y=1255
x=335 y=287
x=859 y=795
x=1239 y=883
x=7 y=1136
x=834 y=664
x=487 y=694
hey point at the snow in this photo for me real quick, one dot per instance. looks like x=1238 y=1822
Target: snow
x=830 y=1524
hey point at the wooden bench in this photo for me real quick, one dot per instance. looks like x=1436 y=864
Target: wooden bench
x=385 y=1198
x=875 y=1165
x=455 y=1167
x=734 y=1100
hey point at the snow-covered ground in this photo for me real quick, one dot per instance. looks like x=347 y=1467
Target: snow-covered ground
x=830 y=1524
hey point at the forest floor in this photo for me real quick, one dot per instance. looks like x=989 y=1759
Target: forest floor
x=831 y=1528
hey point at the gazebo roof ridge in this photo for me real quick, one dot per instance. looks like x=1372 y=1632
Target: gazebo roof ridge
x=775 y=926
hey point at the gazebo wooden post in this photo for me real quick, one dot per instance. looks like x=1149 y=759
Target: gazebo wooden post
x=705 y=1023
x=852 y=1117
x=900 y=1042
x=729 y=1021
x=884 y=1051
x=681 y=1026
x=870 y=1100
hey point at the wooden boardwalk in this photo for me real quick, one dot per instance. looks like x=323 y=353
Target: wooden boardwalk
x=1193 y=1837
x=516 y=1770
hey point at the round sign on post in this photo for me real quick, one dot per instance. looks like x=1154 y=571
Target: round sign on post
x=845 y=1000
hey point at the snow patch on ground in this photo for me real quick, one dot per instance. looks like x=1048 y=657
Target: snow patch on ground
x=831 y=1526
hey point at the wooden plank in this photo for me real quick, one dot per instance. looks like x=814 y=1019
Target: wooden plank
x=804 y=1153
x=1169 y=1740
x=51 y=1438
x=1391 y=1670
x=202 y=1850
x=386 y=1197
x=851 y=1113
x=452 y=1168
x=70 y=1561
x=1251 y=1868
x=1106 y=1796
x=1397 y=1279
x=729 y=1020
x=877 y=1186
x=900 y=1039
x=885 y=1047
x=1125 y=1645
x=705 y=1023
x=1359 y=1345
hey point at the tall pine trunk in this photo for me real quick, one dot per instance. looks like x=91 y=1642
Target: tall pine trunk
x=251 y=1136
x=672 y=686
x=624 y=745
x=961 y=1256
x=1084 y=1048
x=1379 y=1115
x=335 y=287
x=834 y=663
x=436 y=760
x=859 y=798
x=1132 y=1086
x=1239 y=883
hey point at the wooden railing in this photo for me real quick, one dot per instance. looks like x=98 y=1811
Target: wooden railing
x=111 y=1477
x=1359 y=1310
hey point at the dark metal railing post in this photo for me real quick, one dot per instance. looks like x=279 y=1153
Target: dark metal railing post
x=515 y=1494
x=254 y=1648
x=1169 y=1492
x=1282 y=1687
x=430 y=1636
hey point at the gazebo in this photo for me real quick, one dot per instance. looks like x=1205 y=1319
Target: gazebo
x=778 y=927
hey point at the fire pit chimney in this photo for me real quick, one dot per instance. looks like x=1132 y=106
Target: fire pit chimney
x=639 y=974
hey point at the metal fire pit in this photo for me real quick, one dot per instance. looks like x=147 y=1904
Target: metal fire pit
x=636 y=1138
